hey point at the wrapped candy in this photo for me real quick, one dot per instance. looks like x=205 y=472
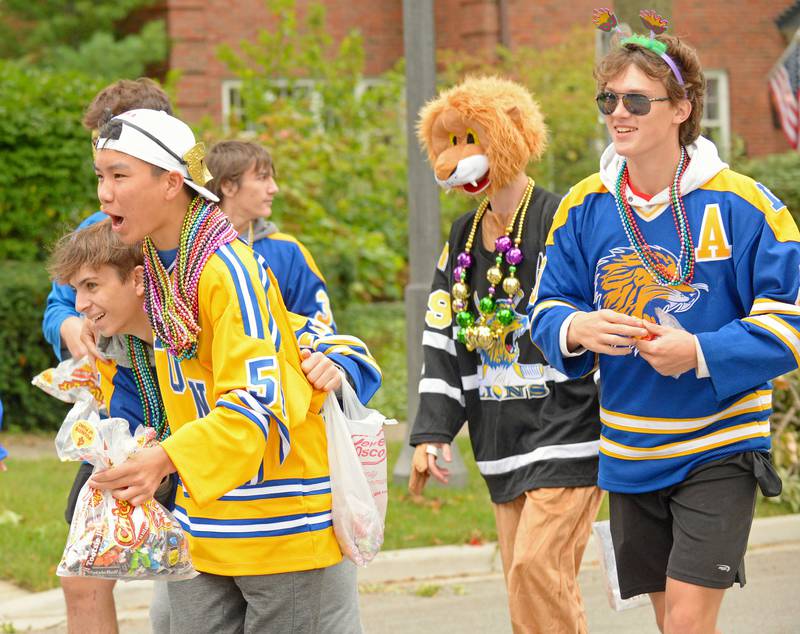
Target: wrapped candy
x=69 y=379
x=110 y=538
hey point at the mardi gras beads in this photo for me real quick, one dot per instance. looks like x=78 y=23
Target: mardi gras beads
x=476 y=332
x=684 y=267
x=171 y=299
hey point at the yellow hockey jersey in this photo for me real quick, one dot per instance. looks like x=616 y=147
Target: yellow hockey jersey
x=247 y=441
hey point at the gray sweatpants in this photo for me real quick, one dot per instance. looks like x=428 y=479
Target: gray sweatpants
x=281 y=603
x=338 y=613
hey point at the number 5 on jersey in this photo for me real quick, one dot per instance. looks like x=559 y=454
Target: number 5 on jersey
x=262 y=380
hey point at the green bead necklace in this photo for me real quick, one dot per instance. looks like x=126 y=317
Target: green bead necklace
x=494 y=314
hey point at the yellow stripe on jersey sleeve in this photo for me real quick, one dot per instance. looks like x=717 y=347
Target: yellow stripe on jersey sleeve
x=575 y=197
x=781 y=329
x=779 y=219
x=763 y=306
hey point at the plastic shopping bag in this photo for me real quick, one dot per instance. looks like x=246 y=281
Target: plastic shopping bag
x=109 y=538
x=366 y=432
x=357 y=460
x=608 y=566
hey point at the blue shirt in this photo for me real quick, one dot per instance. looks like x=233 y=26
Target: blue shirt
x=61 y=303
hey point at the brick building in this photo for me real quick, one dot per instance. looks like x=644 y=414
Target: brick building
x=739 y=41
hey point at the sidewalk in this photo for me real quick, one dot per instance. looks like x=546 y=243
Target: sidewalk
x=456 y=587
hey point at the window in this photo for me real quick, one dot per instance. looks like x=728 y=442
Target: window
x=233 y=104
x=716 y=121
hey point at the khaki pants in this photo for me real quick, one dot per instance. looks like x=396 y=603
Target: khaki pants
x=542 y=535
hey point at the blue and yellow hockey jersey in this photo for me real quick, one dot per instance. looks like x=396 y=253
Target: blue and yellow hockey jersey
x=743 y=305
x=246 y=439
x=300 y=280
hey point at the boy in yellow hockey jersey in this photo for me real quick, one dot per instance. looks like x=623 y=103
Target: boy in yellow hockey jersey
x=249 y=448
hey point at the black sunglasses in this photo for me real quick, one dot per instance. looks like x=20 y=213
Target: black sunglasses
x=634 y=103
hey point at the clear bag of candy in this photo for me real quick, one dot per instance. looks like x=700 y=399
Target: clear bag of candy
x=69 y=379
x=110 y=538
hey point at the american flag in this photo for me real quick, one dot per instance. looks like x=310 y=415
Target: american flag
x=784 y=83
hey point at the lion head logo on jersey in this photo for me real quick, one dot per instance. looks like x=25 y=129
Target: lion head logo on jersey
x=504 y=351
x=622 y=284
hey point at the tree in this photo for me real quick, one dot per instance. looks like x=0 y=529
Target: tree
x=81 y=35
x=339 y=147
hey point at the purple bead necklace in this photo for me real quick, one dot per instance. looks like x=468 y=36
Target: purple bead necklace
x=484 y=331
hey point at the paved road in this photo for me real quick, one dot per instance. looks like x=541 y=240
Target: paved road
x=769 y=604
x=477 y=605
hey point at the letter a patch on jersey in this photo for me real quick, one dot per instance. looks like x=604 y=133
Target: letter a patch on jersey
x=713 y=243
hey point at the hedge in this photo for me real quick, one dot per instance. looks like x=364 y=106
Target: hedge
x=47 y=178
x=23 y=350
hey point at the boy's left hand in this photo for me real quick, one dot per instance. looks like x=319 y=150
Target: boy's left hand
x=135 y=480
x=320 y=371
x=671 y=353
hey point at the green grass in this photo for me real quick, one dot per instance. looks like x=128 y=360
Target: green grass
x=446 y=516
x=383 y=328
x=37 y=491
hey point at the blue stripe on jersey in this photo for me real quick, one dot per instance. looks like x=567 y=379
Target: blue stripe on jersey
x=242 y=528
x=125 y=402
x=274 y=333
x=262 y=263
x=257 y=405
x=255 y=417
x=273 y=489
x=248 y=300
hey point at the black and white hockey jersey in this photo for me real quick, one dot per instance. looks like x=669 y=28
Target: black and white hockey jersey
x=530 y=426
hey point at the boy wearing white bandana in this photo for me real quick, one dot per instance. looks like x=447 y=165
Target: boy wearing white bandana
x=242 y=415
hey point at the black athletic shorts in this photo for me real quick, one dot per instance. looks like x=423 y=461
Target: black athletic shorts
x=165 y=494
x=695 y=531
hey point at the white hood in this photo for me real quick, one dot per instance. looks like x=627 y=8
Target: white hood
x=705 y=164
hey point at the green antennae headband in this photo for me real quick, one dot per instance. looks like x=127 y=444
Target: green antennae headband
x=605 y=20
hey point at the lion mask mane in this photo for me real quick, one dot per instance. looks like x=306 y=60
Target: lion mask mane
x=481 y=134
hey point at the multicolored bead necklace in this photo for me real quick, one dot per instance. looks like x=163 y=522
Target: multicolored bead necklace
x=479 y=333
x=684 y=267
x=171 y=299
x=147 y=386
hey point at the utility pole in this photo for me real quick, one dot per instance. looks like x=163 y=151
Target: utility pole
x=424 y=235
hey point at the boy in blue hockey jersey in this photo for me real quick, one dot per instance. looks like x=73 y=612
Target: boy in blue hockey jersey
x=244 y=180
x=681 y=279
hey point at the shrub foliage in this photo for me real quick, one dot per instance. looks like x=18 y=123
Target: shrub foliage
x=47 y=182
x=23 y=351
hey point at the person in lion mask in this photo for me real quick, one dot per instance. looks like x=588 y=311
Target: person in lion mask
x=533 y=432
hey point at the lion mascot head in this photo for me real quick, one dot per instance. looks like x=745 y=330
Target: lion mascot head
x=480 y=134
